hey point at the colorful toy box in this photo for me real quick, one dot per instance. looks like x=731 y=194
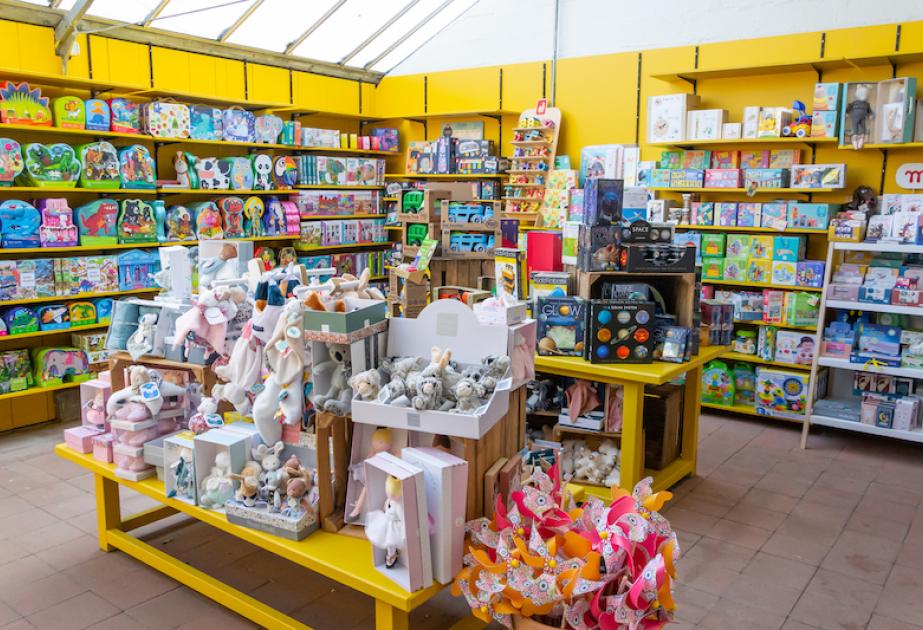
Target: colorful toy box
x=725 y=159
x=827 y=96
x=267 y=129
x=784 y=272
x=702 y=213
x=561 y=322
x=11 y=163
x=22 y=104
x=687 y=178
x=137 y=221
x=20 y=320
x=96 y=222
x=36 y=277
x=818 y=176
x=606 y=343
x=163 y=119
x=749 y=214
x=136 y=168
x=19 y=223
x=699 y=160
x=781 y=393
x=824 y=125
x=726 y=213
x=54 y=366
x=99 y=165
x=125 y=116
x=759 y=270
x=69 y=112
x=53 y=317
x=136 y=268
x=754 y=159
x=795 y=347
x=15 y=371
x=205 y=122
x=240 y=171
x=717 y=384
x=800 y=308
x=81 y=314
x=57 y=229
x=810 y=273
x=761 y=246
x=209 y=224
x=738 y=245
x=53 y=165
x=98 y=116
x=723 y=178
x=238 y=125
x=736 y=269
x=815 y=216
x=774 y=215
x=713 y=245
x=713 y=268
x=284 y=172
x=790 y=248
x=766 y=177
x=784 y=158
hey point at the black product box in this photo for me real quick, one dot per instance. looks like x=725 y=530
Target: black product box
x=637 y=258
x=474 y=148
x=620 y=331
x=602 y=201
x=644 y=232
x=598 y=248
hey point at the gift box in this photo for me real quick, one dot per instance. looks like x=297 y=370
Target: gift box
x=702 y=213
x=687 y=178
x=723 y=178
x=815 y=216
x=784 y=272
x=766 y=177
x=726 y=213
x=789 y=248
x=749 y=214
x=761 y=246
x=774 y=215
x=81 y=438
x=102 y=447
x=738 y=245
x=824 y=124
x=713 y=245
x=810 y=273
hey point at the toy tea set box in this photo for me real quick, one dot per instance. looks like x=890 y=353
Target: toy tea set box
x=447 y=324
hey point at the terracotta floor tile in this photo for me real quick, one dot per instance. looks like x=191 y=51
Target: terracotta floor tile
x=718 y=553
x=757 y=517
x=834 y=600
x=740 y=534
x=691 y=521
x=901 y=597
x=832 y=497
x=795 y=548
x=728 y=614
x=707 y=507
x=775 y=482
x=30 y=597
x=772 y=597
x=81 y=611
x=42 y=538
x=136 y=587
x=71 y=553
x=24 y=571
x=880 y=622
x=887 y=489
x=875 y=525
x=120 y=622
x=862 y=556
x=766 y=500
x=777 y=570
x=741 y=476
x=102 y=568
x=886 y=508
x=170 y=609
x=8 y=615
x=692 y=604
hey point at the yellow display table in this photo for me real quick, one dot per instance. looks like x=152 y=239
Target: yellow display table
x=346 y=559
x=633 y=378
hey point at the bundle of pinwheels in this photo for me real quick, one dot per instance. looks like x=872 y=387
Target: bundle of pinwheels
x=542 y=559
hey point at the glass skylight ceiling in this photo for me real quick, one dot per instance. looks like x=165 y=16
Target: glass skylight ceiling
x=371 y=34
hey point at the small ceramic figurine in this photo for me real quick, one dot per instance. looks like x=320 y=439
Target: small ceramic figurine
x=217 y=488
x=385 y=528
x=206 y=417
x=382 y=441
x=183 y=479
x=141 y=341
x=859 y=111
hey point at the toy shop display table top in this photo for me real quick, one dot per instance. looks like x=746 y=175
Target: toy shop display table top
x=633 y=378
x=342 y=558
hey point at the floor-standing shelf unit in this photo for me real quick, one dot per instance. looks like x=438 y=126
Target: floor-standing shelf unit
x=840 y=370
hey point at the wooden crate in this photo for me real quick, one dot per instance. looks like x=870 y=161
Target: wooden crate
x=334 y=437
x=457 y=272
x=120 y=361
x=430 y=211
x=405 y=297
x=678 y=290
x=663 y=425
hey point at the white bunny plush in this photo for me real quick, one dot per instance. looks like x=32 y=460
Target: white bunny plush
x=283 y=392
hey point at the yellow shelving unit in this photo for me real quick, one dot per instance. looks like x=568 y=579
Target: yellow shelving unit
x=79 y=296
x=760 y=285
x=742 y=141
x=57 y=190
x=746 y=410
x=758 y=191
x=332 y=187
x=324 y=248
x=447 y=176
x=759 y=230
x=49 y=333
x=34 y=391
x=752 y=358
x=786 y=326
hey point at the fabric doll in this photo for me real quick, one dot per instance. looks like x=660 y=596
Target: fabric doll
x=581 y=398
x=385 y=528
x=141 y=341
x=859 y=111
x=382 y=440
x=184 y=481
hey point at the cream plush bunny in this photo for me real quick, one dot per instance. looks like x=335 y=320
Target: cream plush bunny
x=283 y=392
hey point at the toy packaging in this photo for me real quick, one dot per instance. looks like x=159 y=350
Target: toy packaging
x=82 y=314
x=761 y=246
x=713 y=268
x=267 y=129
x=180 y=223
x=240 y=172
x=784 y=158
x=702 y=213
x=818 y=176
x=774 y=215
x=11 y=163
x=700 y=160
x=687 y=178
x=69 y=112
x=723 y=178
x=100 y=165
x=16 y=371
x=22 y=104
x=57 y=229
x=238 y=125
x=561 y=323
x=54 y=165
x=760 y=270
x=713 y=245
x=749 y=214
x=725 y=159
x=744 y=384
x=736 y=269
x=738 y=246
x=53 y=317
x=620 y=331
x=754 y=159
x=789 y=248
x=54 y=366
x=666 y=116
x=205 y=122
x=137 y=222
x=136 y=168
x=801 y=309
x=766 y=178
x=795 y=347
x=814 y=216
x=781 y=393
x=827 y=96
x=824 y=125
x=232 y=212
x=726 y=213
x=19 y=223
x=811 y=273
x=602 y=201
x=284 y=172
x=126 y=116
x=208 y=220
x=98 y=116
x=717 y=384
x=164 y=119
x=20 y=320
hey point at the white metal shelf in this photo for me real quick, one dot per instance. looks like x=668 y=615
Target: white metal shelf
x=877 y=308
x=851 y=425
x=843 y=364
x=895 y=248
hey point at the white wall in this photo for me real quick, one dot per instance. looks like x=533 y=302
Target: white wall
x=510 y=31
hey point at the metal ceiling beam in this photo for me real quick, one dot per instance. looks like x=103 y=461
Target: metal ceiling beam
x=387 y=51
x=381 y=30
x=237 y=23
x=298 y=41
x=65 y=31
x=54 y=4
x=155 y=13
x=18 y=11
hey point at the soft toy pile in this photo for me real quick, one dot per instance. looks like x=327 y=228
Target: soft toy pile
x=599 y=466
x=440 y=385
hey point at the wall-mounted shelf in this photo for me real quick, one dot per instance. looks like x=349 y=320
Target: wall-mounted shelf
x=744 y=141
x=760 y=285
x=731 y=228
x=752 y=358
x=326 y=248
x=75 y=189
x=80 y=296
x=332 y=187
x=759 y=322
x=449 y=176
x=758 y=191
x=48 y=333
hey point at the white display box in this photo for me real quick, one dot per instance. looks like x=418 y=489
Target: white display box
x=445 y=479
x=414 y=568
x=446 y=324
x=172 y=448
x=705 y=124
x=247 y=429
x=207 y=447
x=731 y=131
x=591 y=421
x=666 y=116
x=361 y=449
x=751 y=122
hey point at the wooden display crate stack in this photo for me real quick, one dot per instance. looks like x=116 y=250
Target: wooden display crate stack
x=408 y=292
x=470 y=229
x=414 y=218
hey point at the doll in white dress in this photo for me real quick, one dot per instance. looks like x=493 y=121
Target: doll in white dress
x=385 y=529
x=382 y=440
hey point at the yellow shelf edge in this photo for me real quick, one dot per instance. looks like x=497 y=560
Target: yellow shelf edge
x=749 y=358
x=733 y=228
x=46 y=333
x=32 y=391
x=79 y=296
x=735 y=141
x=759 y=322
x=758 y=191
x=760 y=285
x=458 y=176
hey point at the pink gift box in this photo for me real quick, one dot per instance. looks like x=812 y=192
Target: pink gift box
x=722 y=178
x=104 y=377
x=129 y=458
x=81 y=438
x=102 y=447
x=94 y=395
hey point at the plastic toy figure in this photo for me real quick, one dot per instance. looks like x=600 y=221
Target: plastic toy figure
x=800 y=126
x=859 y=111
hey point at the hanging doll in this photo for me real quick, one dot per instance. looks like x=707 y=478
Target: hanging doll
x=183 y=480
x=859 y=111
x=385 y=528
x=382 y=441
x=209 y=317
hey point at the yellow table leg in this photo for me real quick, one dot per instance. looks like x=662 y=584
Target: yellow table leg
x=108 y=511
x=692 y=407
x=632 y=467
x=387 y=617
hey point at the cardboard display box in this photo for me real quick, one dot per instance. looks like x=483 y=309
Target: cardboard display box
x=360 y=314
x=426 y=210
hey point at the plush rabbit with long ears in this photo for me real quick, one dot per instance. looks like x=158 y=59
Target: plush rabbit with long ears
x=242 y=372
x=282 y=399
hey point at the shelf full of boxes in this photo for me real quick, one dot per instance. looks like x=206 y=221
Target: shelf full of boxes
x=760 y=253
x=93 y=189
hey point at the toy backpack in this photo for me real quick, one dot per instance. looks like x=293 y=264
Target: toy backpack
x=213 y=174
x=137 y=222
x=717 y=384
x=20 y=320
x=136 y=168
x=205 y=123
x=253 y=216
x=238 y=125
x=69 y=112
x=81 y=314
x=96 y=222
x=262 y=171
x=186 y=175
x=274 y=218
x=19 y=223
x=21 y=104
x=58 y=229
x=125 y=116
x=11 y=163
x=267 y=129
x=284 y=172
x=232 y=211
x=54 y=317
x=165 y=119
x=99 y=165
x=181 y=224
x=208 y=220
x=103 y=309
x=98 y=115
x=50 y=165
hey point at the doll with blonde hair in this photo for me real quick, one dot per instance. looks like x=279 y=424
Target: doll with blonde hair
x=382 y=440
x=385 y=528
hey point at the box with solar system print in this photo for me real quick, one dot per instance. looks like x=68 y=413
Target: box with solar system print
x=620 y=331
x=644 y=232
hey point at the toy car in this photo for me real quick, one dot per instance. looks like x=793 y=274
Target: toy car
x=800 y=127
x=465 y=242
x=412 y=201
x=470 y=212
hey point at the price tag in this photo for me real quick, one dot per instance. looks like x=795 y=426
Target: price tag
x=27 y=279
x=93 y=274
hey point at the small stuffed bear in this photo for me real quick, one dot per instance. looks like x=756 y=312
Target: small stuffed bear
x=468 y=395
x=206 y=417
x=366 y=384
x=429 y=394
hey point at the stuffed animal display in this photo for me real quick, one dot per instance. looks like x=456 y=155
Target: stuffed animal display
x=598 y=466
x=346 y=286
x=440 y=385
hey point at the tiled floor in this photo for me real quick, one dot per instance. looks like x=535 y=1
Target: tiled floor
x=773 y=537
